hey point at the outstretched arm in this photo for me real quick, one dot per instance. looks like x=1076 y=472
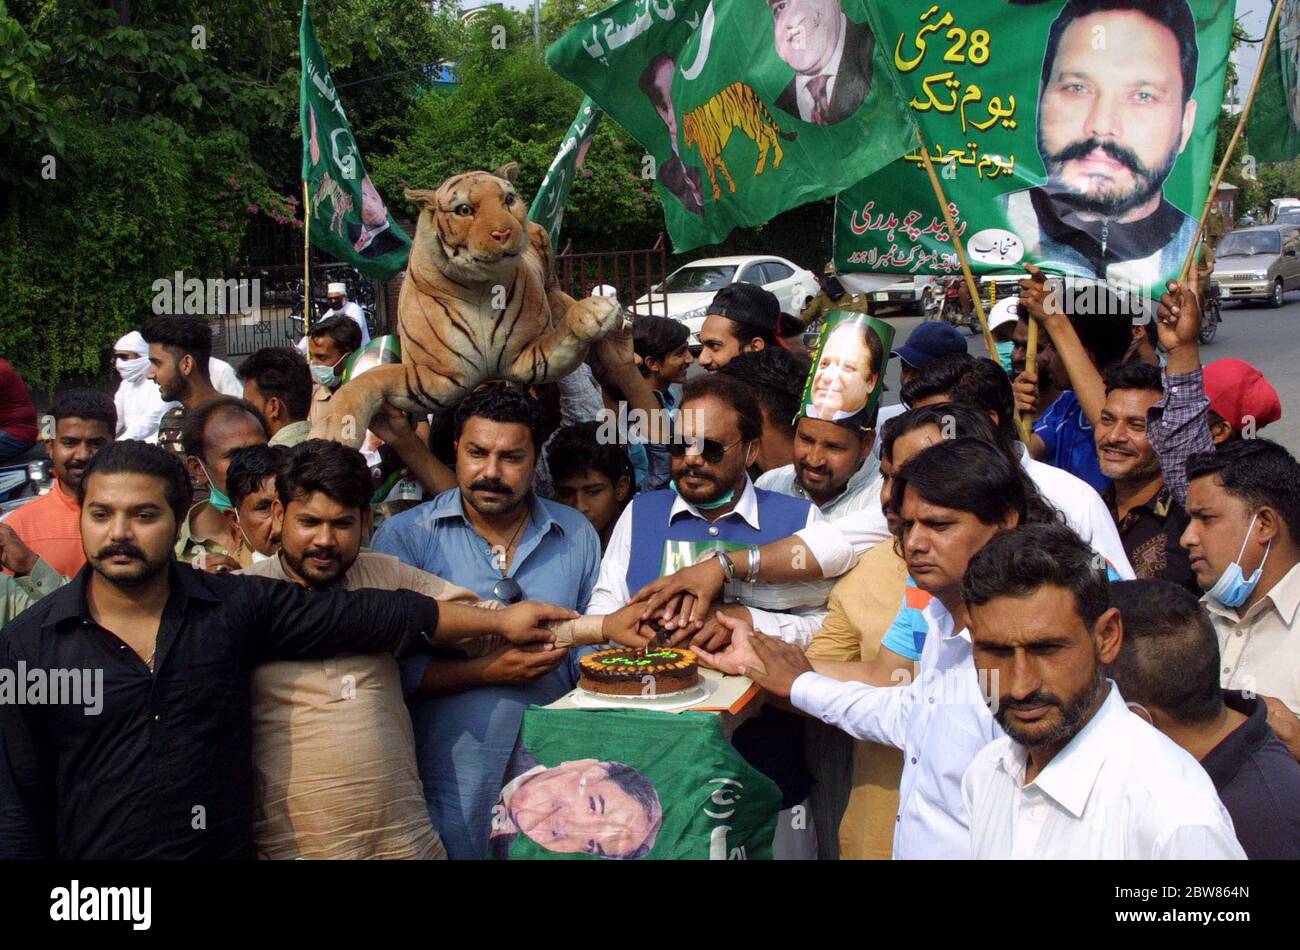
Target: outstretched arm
x=1042 y=305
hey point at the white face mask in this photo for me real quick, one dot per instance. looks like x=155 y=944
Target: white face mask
x=132 y=371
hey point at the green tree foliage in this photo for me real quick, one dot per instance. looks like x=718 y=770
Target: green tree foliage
x=140 y=137
x=508 y=107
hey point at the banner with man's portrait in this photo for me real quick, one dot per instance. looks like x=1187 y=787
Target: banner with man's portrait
x=1077 y=135
x=630 y=784
x=745 y=108
x=847 y=375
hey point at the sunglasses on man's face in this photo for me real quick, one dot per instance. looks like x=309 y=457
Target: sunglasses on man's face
x=711 y=450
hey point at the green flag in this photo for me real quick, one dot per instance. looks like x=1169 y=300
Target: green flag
x=348 y=218
x=1076 y=136
x=745 y=108
x=548 y=205
x=1274 y=131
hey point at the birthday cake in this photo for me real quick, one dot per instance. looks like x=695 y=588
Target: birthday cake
x=653 y=671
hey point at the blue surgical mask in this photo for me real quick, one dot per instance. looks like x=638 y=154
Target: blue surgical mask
x=216 y=497
x=1232 y=589
x=724 y=500
x=324 y=375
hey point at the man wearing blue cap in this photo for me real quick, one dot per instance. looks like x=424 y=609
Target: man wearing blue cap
x=925 y=344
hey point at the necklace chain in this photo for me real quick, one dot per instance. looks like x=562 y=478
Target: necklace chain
x=503 y=554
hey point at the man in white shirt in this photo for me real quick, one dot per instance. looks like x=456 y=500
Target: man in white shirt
x=951 y=499
x=1243 y=541
x=831 y=548
x=712 y=505
x=340 y=304
x=1077 y=775
x=833 y=468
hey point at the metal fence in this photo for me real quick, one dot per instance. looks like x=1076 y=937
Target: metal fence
x=631 y=273
x=272 y=255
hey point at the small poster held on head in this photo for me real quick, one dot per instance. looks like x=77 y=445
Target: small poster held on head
x=848 y=370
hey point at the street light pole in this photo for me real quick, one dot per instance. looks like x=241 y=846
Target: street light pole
x=537 y=22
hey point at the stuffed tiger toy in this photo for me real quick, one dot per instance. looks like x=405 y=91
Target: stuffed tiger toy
x=709 y=127
x=479 y=302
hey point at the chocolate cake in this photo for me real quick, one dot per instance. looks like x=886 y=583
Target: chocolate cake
x=625 y=672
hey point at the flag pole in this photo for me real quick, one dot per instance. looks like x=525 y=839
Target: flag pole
x=1026 y=421
x=1232 y=143
x=971 y=286
x=306 y=256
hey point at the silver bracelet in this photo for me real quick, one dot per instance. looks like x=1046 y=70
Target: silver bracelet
x=755 y=561
x=728 y=566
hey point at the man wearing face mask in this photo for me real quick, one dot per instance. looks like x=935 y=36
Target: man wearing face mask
x=210 y=538
x=140 y=405
x=712 y=506
x=250 y=483
x=329 y=344
x=1243 y=507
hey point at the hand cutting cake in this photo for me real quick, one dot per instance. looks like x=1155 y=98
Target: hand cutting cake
x=653 y=671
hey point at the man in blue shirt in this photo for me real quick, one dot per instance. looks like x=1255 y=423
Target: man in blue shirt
x=1102 y=321
x=492 y=535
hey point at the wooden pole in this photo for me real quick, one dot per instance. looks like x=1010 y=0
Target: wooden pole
x=971 y=285
x=1031 y=366
x=1232 y=143
x=306 y=256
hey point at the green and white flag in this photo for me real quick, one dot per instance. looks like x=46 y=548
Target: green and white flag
x=1072 y=134
x=746 y=108
x=1274 y=131
x=548 y=205
x=348 y=218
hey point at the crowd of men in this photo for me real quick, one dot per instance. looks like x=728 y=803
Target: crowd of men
x=969 y=646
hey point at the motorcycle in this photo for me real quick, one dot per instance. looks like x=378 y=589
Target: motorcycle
x=1211 y=314
x=25 y=478
x=953 y=304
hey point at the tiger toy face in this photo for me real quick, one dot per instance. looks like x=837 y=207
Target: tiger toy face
x=474 y=225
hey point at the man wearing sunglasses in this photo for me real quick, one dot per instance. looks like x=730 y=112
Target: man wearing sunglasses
x=492 y=535
x=713 y=508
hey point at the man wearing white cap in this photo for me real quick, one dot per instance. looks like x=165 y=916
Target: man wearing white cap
x=339 y=303
x=1002 y=324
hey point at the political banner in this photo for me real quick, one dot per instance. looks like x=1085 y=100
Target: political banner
x=1274 y=131
x=746 y=108
x=348 y=218
x=1074 y=134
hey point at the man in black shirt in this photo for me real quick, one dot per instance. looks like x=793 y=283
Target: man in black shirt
x=1149 y=518
x=124 y=696
x=1168 y=668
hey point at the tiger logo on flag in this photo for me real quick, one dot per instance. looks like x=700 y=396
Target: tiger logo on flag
x=709 y=128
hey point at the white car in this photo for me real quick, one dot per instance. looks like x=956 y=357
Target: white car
x=686 y=293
